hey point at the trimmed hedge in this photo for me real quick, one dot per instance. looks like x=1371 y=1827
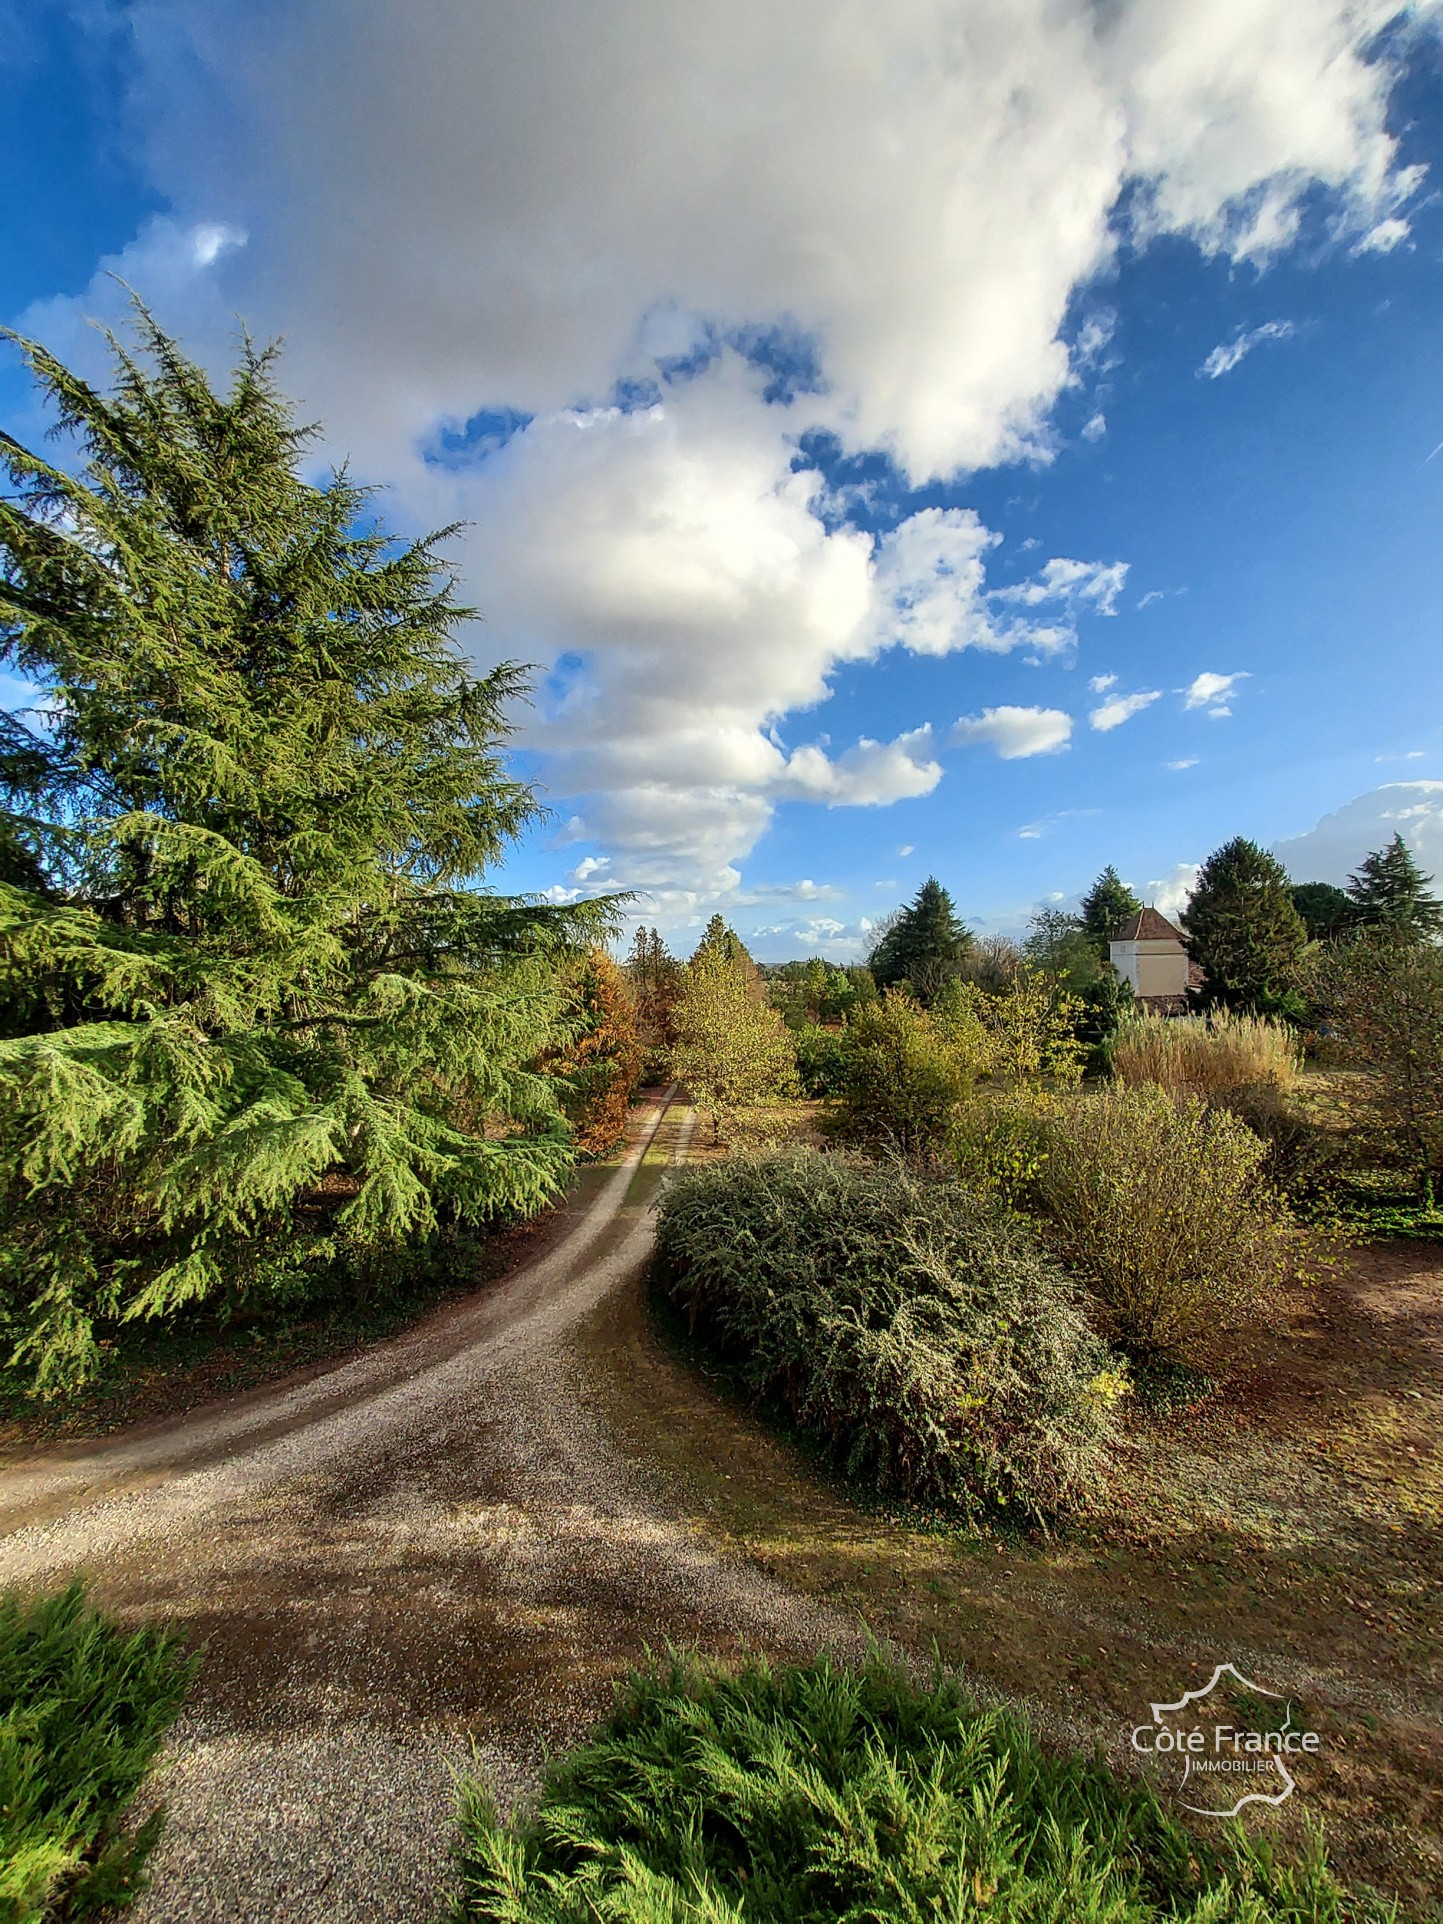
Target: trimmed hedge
x=922 y=1337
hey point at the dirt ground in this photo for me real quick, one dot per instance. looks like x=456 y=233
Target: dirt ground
x=1290 y=1525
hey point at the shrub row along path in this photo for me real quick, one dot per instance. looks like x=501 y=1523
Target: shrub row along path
x=435 y=1543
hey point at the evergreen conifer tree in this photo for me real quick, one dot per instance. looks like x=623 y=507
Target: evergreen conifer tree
x=1326 y=910
x=1390 y=892
x=925 y=945
x=250 y=992
x=732 y=1047
x=1244 y=932
x=1106 y=904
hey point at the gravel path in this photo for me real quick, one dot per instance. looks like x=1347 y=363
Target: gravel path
x=431 y=1550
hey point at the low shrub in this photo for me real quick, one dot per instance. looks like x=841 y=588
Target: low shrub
x=812 y=1793
x=1205 y=1056
x=999 y=1143
x=1159 y=1203
x=926 y=1341
x=83 y=1707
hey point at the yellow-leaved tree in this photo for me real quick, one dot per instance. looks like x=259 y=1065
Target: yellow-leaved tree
x=731 y=1046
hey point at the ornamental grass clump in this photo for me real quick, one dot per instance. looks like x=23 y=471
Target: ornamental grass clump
x=1161 y=1205
x=83 y=1707
x=923 y=1338
x=813 y=1793
x=1205 y=1056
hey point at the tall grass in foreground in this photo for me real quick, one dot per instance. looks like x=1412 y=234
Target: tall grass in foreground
x=919 y=1334
x=1204 y=1056
x=83 y=1707
x=812 y=1794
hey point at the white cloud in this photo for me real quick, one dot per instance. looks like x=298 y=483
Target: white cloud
x=1185 y=761
x=474 y=205
x=906 y=849
x=1331 y=850
x=1101 y=683
x=1212 y=692
x=1092 y=584
x=1121 y=708
x=1170 y=893
x=590 y=865
x=1015 y=732
x=1383 y=238
x=1095 y=426
x=1226 y=356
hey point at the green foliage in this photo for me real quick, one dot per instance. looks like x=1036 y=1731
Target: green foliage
x=919 y=1335
x=1390 y=892
x=923 y=946
x=1159 y=1205
x=732 y=1049
x=1031 y=1027
x=1326 y=911
x=904 y=1069
x=1382 y=994
x=654 y=977
x=1059 y=945
x=821 y=1060
x=1106 y=904
x=999 y=1141
x=815 y=1793
x=83 y=1708
x=246 y=966
x=1245 y=933
x=815 y=992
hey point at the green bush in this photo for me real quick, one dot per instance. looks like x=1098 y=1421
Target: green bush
x=82 y=1710
x=999 y=1143
x=821 y=1060
x=815 y=1793
x=903 y=1074
x=1160 y=1204
x=926 y=1341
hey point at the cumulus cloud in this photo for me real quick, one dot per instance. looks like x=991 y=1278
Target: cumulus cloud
x=471 y=207
x=1227 y=355
x=1101 y=683
x=1112 y=714
x=1170 y=893
x=1015 y=732
x=1185 y=761
x=1212 y=693
x=1331 y=850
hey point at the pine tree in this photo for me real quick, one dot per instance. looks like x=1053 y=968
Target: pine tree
x=1106 y=905
x=925 y=945
x=1326 y=910
x=252 y=993
x=1390 y=892
x=1244 y=932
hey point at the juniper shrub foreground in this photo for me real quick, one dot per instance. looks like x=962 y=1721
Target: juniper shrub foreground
x=816 y=1793
x=82 y=1709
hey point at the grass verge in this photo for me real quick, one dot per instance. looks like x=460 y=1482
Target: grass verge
x=817 y=1792
x=83 y=1707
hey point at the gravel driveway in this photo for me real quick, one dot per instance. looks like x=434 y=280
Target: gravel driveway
x=431 y=1552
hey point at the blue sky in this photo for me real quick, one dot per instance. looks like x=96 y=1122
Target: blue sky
x=783 y=463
